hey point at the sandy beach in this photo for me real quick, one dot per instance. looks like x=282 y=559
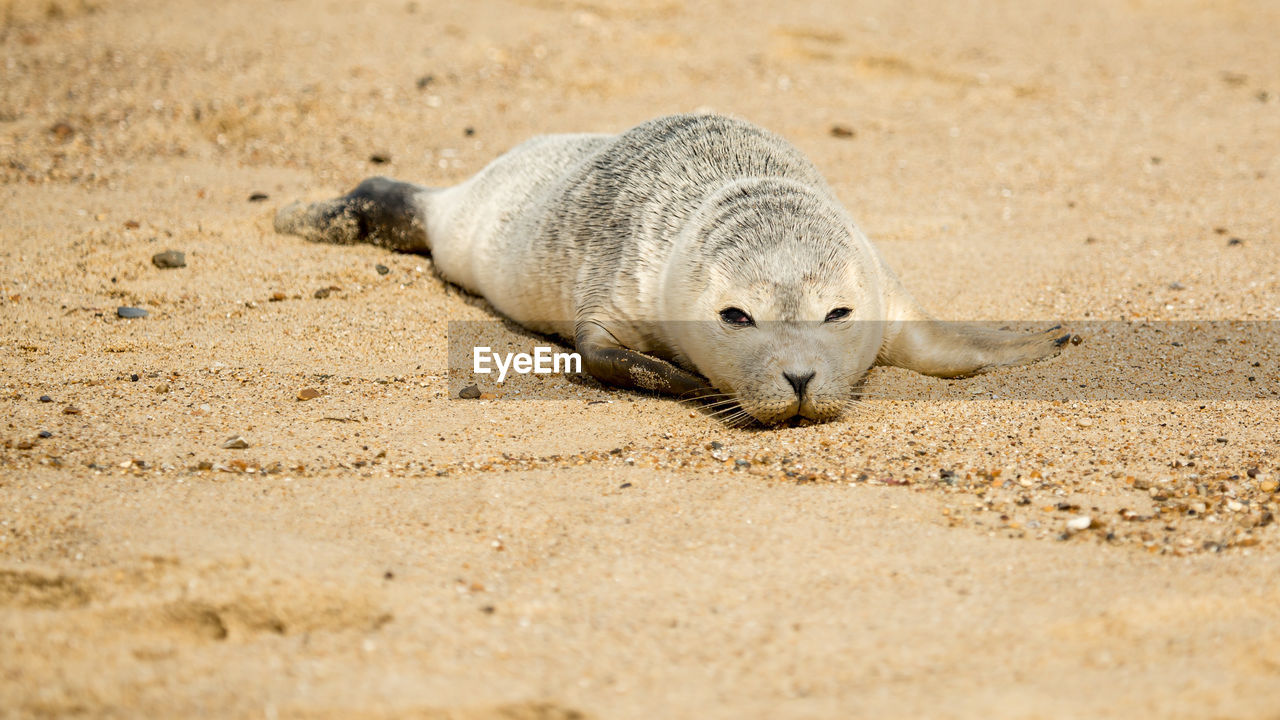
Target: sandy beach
x=1091 y=536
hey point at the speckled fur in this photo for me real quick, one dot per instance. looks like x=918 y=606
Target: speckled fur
x=639 y=240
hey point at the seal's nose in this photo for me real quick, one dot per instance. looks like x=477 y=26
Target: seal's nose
x=798 y=381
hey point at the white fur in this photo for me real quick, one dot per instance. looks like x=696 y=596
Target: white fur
x=640 y=240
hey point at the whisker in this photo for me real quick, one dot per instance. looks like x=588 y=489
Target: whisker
x=733 y=416
x=731 y=402
x=730 y=415
x=697 y=393
x=704 y=398
x=729 y=421
x=725 y=412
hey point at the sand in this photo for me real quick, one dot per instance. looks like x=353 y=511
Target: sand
x=384 y=550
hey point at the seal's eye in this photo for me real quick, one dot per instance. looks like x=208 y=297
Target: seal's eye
x=838 y=314
x=735 y=316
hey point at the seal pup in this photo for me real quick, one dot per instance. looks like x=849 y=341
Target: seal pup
x=693 y=255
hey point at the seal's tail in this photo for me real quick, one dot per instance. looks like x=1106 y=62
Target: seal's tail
x=379 y=210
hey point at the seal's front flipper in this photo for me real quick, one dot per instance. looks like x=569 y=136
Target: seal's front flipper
x=915 y=341
x=954 y=350
x=613 y=364
x=379 y=211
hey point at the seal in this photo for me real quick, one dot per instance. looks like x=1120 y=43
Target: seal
x=693 y=255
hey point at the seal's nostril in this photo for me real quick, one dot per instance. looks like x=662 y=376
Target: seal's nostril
x=798 y=381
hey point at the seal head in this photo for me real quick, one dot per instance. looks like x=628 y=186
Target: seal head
x=778 y=302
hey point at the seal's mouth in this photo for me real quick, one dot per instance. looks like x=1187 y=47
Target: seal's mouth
x=790 y=418
x=729 y=409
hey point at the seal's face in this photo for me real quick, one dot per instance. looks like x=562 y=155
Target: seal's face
x=786 y=331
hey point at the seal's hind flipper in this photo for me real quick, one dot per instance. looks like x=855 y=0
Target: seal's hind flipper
x=379 y=210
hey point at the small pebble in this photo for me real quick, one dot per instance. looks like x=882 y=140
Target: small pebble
x=1083 y=522
x=71 y=410
x=322 y=293
x=277 y=297
x=162 y=388
x=235 y=442
x=1235 y=241
x=133 y=377
x=131 y=313
x=1175 y=285
x=258 y=197
x=308 y=394
x=382 y=269
x=1235 y=505
x=380 y=158
x=1268 y=486
x=841 y=131
x=45 y=434
x=1076 y=339
x=46 y=398
x=1233 y=78
x=470 y=392
x=169 y=259
x=1084 y=422
x=62 y=130
x=25 y=444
